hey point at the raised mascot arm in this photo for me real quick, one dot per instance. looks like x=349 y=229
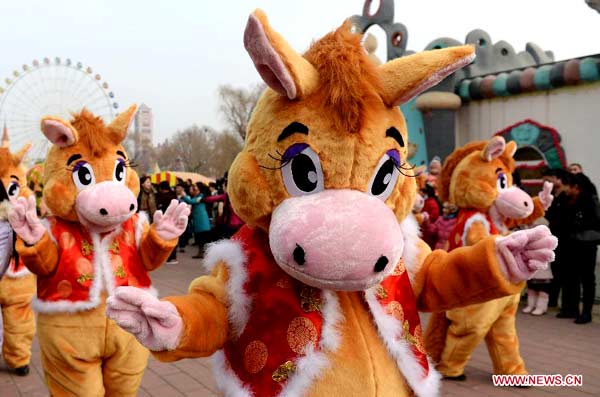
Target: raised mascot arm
x=36 y=249
x=160 y=239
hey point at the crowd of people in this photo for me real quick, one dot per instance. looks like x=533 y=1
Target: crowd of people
x=574 y=217
x=211 y=217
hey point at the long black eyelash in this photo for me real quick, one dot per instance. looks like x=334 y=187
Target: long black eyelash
x=279 y=159
x=402 y=167
x=126 y=163
x=130 y=164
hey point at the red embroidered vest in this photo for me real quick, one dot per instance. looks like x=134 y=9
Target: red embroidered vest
x=458 y=234
x=291 y=325
x=88 y=264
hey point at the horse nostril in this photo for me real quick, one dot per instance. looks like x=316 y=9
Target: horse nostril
x=526 y=203
x=131 y=207
x=299 y=255
x=103 y=211
x=381 y=264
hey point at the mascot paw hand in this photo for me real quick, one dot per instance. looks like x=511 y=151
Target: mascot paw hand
x=546 y=196
x=524 y=252
x=155 y=323
x=24 y=220
x=173 y=222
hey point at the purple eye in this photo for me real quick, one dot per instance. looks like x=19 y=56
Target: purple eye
x=502 y=182
x=385 y=176
x=119 y=170
x=301 y=171
x=83 y=175
x=293 y=151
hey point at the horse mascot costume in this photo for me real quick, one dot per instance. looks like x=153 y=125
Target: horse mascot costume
x=318 y=295
x=478 y=179
x=17 y=287
x=92 y=243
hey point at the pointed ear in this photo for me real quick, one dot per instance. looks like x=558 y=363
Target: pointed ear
x=20 y=155
x=119 y=126
x=58 y=131
x=494 y=148
x=281 y=68
x=406 y=77
x=511 y=148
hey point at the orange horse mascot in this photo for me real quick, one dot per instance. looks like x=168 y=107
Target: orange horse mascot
x=478 y=179
x=92 y=243
x=17 y=287
x=318 y=295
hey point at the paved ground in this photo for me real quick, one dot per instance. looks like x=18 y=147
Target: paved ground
x=549 y=346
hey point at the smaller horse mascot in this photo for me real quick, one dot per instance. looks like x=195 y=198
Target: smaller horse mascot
x=93 y=242
x=478 y=179
x=17 y=287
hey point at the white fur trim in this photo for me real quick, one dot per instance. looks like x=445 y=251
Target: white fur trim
x=474 y=218
x=390 y=329
x=103 y=280
x=411 y=234
x=18 y=274
x=313 y=364
x=232 y=254
x=226 y=379
x=139 y=227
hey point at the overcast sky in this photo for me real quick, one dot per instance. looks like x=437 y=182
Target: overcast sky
x=172 y=55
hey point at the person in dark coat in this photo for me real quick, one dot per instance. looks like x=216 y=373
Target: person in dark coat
x=578 y=230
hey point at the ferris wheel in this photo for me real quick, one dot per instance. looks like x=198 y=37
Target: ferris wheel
x=50 y=87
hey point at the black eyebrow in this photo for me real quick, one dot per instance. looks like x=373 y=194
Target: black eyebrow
x=14 y=176
x=294 y=128
x=73 y=158
x=120 y=153
x=392 y=132
x=498 y=170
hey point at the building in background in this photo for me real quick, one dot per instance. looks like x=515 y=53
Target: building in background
x=139 y=142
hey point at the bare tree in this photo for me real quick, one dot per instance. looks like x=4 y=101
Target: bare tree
x=199 y=149
x=237 y=105
x=227 y=145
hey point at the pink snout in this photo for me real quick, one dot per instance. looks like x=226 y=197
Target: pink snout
x=514 y=203
x=103 y=207
x=336 y=239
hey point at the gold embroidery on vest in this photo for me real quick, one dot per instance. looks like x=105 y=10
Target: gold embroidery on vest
x=309 y=300
x=414 y=340
x=284 y=371
x=86 y=248
x=399 y=269
x=120 y=272
x=381 y=292
x=114 y=247
x=84 y=277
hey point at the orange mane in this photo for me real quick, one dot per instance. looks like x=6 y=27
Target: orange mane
x=92 y=132
x=349 y=79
